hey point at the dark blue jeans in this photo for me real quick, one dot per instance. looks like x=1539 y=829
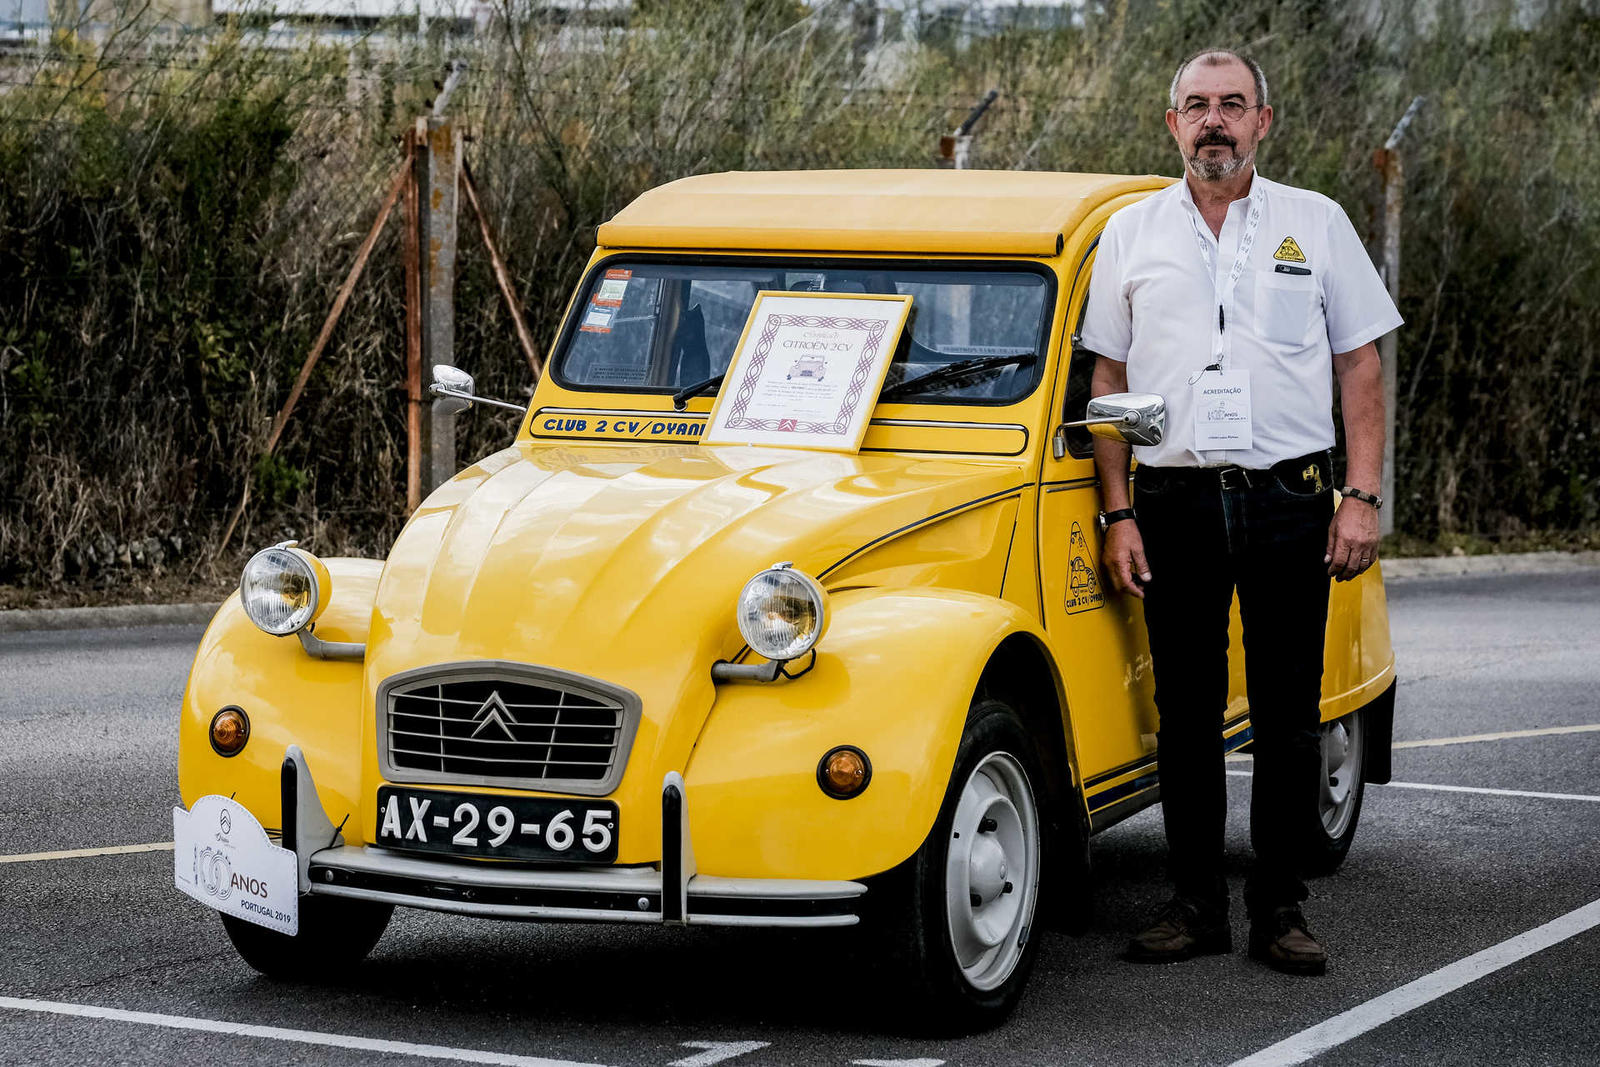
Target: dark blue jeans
x=1204 y=538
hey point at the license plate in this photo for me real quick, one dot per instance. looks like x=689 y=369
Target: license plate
x=500 y=827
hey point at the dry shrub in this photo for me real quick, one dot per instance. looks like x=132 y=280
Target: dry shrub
x=177 y=210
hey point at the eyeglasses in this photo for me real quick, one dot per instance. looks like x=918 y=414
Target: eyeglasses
x=1230 y=110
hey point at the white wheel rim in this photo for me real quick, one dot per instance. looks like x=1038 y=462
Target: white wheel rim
x=1341 y=772
x=994 y=860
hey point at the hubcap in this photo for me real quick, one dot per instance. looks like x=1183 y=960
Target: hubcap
x=1341 y=771
x=992 y=870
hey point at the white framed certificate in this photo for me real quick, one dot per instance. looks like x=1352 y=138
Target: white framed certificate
x=807 y=370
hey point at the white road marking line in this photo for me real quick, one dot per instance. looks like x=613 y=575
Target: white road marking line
x=1397 y=1002
x=716 y=1052
x=898 y=1063
x=1492 y=792
x=1470 y=789
x=72 y=854
x=1507 y=735
x=279 y=1033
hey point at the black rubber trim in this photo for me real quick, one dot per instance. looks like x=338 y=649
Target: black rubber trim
x=1108 y=817
x=1070 y=483
x=671 y=854
x=1015 y=491
x=858 y=261
x=289 y=784
x=1378 y=723
x=1142 y=761
x=1107 y=797
x=957 y=451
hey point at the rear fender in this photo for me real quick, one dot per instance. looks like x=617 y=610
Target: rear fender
x=290 y=697
x=895 y=676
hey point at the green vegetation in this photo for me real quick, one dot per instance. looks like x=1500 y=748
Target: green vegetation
x=177 y=211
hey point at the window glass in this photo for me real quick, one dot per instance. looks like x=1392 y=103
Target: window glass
x=659 y=327
x=1080 y=377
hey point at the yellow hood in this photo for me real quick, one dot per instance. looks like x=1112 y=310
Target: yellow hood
x=623 y=563
x=570 y=556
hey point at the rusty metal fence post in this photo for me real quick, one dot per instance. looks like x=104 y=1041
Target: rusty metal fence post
x=1387 y=160
x=431 y=459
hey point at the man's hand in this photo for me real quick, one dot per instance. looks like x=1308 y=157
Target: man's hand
x=1352 y=539
x=1124 y=556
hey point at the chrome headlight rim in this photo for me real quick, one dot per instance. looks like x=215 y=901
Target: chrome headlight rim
x=288 y=557
x=813 y=592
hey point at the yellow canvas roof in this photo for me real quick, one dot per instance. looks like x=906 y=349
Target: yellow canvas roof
x=942 y=211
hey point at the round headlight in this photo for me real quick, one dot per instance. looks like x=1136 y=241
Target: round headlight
x=282 y=589
x=782 y=612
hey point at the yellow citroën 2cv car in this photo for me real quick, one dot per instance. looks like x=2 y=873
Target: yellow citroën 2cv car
x=613 y=674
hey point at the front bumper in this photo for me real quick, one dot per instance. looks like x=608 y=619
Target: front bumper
x=673 y=893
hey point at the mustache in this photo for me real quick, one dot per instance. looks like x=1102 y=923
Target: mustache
x=1211 y=137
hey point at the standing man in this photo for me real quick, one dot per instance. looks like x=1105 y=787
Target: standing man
x=1238 y=300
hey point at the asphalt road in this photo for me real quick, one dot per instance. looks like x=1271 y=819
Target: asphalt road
x=87 y=734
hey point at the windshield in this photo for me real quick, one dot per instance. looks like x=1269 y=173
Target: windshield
x=658 y=327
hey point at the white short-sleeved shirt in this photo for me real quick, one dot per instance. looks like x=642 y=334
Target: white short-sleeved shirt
x=1306 y=291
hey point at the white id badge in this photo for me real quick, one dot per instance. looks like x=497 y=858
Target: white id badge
x=1222 y=410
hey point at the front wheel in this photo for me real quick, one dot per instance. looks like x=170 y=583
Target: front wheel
x=335 y=935
x=966 y=937
x=1339 y=794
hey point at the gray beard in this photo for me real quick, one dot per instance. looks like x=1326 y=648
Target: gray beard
x=1218 y=170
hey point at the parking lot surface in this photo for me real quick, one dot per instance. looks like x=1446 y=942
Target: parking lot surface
x=1481 y=850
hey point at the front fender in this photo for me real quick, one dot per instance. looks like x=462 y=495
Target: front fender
x=894 y=676
x=290 y=697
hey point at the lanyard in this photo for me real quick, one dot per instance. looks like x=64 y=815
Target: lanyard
x=1225 y=293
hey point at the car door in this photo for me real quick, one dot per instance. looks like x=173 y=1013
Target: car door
x=1099 y=632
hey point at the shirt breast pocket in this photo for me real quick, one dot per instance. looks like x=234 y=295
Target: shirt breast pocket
x=1286 y=307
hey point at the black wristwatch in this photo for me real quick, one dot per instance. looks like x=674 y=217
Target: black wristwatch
x=1363 y=496
x=1109 y=517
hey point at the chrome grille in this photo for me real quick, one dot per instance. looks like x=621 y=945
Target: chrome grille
x=505 y=724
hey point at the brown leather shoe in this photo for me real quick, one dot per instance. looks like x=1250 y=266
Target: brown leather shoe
x=1282 y=942
x=1181 y=931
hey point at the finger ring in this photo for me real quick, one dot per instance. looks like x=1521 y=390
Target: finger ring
x=1363 y=559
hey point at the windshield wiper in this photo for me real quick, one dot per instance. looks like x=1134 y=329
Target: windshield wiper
x=961 y=368
x=680 y=399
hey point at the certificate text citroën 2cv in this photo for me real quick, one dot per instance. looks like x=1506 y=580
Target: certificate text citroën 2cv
x=613 y=674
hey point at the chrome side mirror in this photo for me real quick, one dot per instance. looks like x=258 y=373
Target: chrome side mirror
x=1137 y=418
x=453 y=392
x=452 y=389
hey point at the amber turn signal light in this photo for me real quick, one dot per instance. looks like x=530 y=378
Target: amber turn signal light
x=230 y=729
x=844 y=772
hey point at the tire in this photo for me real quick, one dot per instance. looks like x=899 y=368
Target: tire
x=1342 y=786
x=335 y=935
x=964 y=966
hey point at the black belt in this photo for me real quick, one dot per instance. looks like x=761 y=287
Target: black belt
x=1233 y=476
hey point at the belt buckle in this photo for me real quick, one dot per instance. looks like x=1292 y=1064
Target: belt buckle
x=1234 y=478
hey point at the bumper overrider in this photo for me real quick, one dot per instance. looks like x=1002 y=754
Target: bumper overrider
x=674 y=894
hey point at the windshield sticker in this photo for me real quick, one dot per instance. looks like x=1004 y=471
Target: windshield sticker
x=615 y=373
x=599 y=425
x=612 y=287
x=598 y=320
